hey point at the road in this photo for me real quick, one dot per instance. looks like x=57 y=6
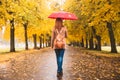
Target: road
x=41 y=65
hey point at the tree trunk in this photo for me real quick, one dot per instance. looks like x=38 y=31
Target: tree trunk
x=86 y=43
x=112 y=38
x=43 y=41
x=35 y=42
x=25 y=34
x=40 y=41
x=98 y=43
x=12 y=36
x=49 y=41
x=98 y=38
x=82 y=43
x=46 y=43
x=91 y=43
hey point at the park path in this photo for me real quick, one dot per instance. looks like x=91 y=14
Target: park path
x=41 y=65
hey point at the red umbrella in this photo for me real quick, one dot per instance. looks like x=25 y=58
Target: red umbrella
x=64 y=15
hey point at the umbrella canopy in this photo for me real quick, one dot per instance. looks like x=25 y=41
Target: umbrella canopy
x=64 y=15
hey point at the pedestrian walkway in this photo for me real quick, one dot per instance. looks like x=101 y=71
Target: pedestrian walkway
x=41 y=65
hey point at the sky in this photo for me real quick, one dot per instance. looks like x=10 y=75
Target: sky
x=61 y=2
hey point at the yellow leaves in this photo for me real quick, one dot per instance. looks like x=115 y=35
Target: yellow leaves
x=7 y=33
x=95 y=22
x=19 y=32
x=2 y=22
x=33 y=11
x=93 y=13
x=31 y=3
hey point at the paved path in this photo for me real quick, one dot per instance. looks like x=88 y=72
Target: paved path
x=78 y=65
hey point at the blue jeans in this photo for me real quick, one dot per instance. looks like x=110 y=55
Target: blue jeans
x=59 y=56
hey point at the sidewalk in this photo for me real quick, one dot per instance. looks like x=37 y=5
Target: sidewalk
x=78 y=65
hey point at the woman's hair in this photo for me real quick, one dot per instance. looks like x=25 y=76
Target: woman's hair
x=58 y=23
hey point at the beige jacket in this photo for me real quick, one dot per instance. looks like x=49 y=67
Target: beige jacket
x=54 y=34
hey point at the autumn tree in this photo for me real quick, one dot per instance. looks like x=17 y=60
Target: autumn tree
x=30 y=13
x=96 y=19
x=107 y=11
x=9 y=13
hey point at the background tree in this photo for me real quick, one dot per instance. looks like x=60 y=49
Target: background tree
x=96 y=19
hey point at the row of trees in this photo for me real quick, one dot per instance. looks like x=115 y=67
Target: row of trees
x=98 y=22
x=23 y=18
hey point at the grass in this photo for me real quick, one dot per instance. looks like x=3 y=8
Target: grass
x=7 y=50
x=5 y=56
x=102 y=53
x=105 y=52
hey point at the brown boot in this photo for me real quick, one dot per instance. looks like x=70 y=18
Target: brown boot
x=59 y=74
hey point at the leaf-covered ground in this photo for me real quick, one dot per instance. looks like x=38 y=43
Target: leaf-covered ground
x=78 y=64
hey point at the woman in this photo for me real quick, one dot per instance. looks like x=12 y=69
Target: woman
x=59 y=33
